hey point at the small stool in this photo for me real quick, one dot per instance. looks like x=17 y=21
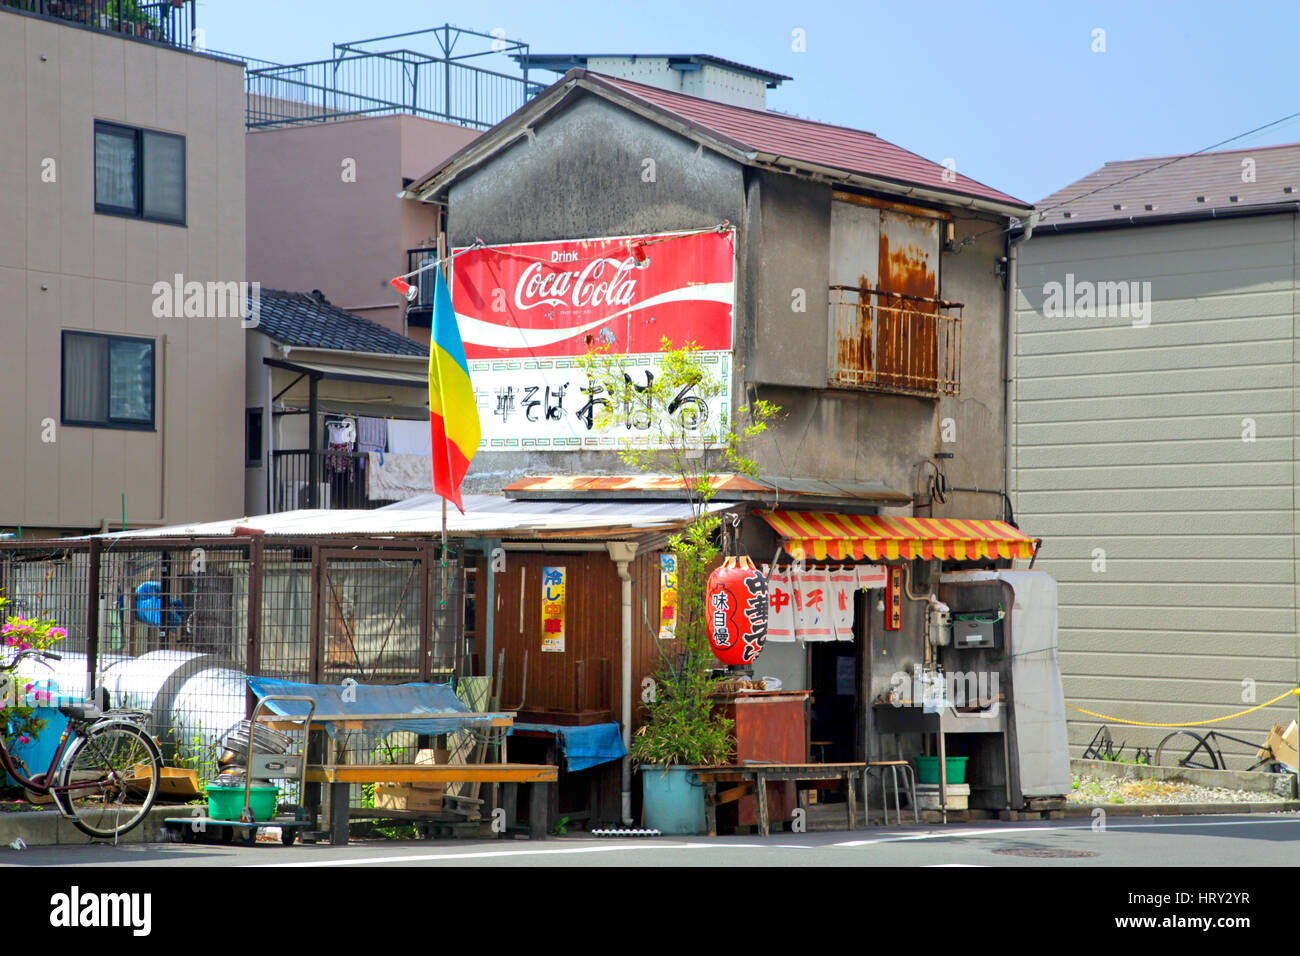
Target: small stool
x=909 y=778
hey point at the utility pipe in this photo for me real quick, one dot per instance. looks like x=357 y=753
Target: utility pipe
x=621 y=553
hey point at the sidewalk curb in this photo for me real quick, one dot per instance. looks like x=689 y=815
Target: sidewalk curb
x=1179 y=809
x=48 y=828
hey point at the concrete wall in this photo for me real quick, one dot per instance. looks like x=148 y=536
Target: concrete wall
x=1173 y=539
x=62 y=266
x=582 y=177
x=310 y=228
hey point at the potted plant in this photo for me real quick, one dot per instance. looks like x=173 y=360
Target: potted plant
x=684 y=727
x=20 y=722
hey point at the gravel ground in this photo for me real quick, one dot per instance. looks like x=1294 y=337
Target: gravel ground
x=1090 y=790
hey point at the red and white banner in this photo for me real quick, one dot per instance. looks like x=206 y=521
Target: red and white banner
x=528 y=312
x=817 y=604
x=536 y=299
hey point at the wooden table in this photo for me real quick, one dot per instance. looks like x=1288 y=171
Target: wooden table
x=755 y=778
x=339 y=777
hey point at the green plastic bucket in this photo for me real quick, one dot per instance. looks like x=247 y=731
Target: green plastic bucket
x=927 y=769
x=226 y=803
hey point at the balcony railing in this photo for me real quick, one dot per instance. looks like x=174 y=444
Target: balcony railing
x=340 y=480
x=421 y=308
x=892 y=342
x=165 y=21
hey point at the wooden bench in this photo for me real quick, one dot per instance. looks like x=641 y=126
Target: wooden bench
x=339 y=777
x=754 y=778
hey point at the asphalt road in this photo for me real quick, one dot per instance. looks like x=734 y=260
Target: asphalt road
x=1260 y=840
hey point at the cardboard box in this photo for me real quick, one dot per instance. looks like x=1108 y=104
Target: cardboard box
x=414 y=796
x=1283 y=745
x=404 y=796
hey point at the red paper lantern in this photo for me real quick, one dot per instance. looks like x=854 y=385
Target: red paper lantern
x=737 y=608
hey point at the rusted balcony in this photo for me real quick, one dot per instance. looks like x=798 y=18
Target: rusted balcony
x=893 y=342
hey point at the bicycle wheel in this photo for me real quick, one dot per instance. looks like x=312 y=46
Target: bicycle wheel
x=1177 y=750
x=109 y=779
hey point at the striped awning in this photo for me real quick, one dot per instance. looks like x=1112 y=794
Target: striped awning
x=826 y=534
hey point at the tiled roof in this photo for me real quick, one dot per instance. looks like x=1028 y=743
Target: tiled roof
x=1163 y=186
x=297 y=318
x=837 y=147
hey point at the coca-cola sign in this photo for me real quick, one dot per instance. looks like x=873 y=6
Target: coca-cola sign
x=540 y=299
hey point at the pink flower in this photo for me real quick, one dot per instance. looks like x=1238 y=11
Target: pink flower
x=42 y=696
x=57 y=633
x=28 y=688
x=24 y=739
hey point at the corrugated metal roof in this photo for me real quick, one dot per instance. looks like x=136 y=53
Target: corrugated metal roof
x=823 y=144
x=1181 y=185
x=752 y=135
x=728 y=487
x=485 y=516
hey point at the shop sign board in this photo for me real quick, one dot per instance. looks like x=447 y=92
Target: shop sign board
x=553 y=594
x=528 y=313
x=667 y=597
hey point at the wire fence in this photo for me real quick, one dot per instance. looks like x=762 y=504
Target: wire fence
x=175 y=628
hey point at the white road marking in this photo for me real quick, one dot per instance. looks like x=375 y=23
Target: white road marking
x=956 y=834
x=1006 y=831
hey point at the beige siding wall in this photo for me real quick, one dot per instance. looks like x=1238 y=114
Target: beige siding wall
x=64 y=267
x=1129 y=441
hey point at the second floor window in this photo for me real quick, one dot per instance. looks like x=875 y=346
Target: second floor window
x=139 y=173
x=108 y=380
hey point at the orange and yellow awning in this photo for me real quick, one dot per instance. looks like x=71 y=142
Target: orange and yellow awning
x=826 y=534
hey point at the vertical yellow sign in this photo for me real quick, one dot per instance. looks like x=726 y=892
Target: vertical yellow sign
x=553 y=583
x=667 y=597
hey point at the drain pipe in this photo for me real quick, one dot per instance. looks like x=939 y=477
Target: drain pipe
x=1009 y=353
x=621 y=553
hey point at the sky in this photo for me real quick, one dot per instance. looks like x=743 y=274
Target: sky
x=1023 y=96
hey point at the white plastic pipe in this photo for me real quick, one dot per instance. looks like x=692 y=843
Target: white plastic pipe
x=622 y=552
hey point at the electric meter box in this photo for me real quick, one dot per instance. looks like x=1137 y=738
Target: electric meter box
x=982 y=629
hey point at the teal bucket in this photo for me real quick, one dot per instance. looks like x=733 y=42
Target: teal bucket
x=226 y=803
x=927 y=769
x=673 y=801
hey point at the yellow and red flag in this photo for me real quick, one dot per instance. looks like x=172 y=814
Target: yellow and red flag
x=453 y=414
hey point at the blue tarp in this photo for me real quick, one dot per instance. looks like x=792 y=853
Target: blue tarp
x=412 y=699
x=583 y=747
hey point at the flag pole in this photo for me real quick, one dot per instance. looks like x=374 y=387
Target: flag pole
x=446 y=623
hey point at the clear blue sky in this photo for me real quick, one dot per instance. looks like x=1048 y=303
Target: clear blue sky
x=1011 y=91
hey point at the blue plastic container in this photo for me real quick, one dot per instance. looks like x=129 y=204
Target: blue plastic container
x=673 y=800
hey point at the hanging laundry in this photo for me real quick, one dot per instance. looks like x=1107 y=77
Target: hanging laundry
x=409 y=437
x=372 y=434
x=341 y=431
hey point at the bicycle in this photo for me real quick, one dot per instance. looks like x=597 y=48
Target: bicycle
x=1202 y=751
x=104 y=773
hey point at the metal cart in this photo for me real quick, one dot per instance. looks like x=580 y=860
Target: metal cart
x=260 y=767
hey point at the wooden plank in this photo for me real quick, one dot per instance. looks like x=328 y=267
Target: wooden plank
x=732 y=794
x=538 y=801
x=764 y=825
x=358 y=721
x=432 y=773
